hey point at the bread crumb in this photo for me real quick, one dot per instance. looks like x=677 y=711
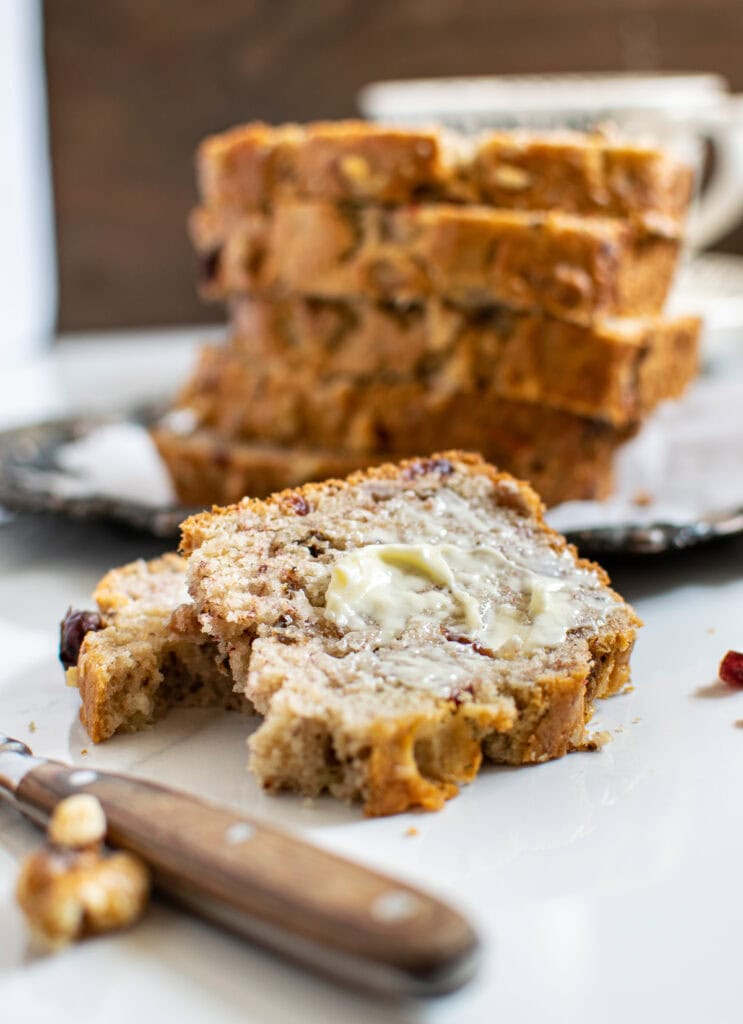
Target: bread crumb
x=642 y=498
x=596 y=740
x=84 y=752
x=412 y=831
x=629 y=688
x=711 y=630
x=32 y=726
x=619 y=728
x=636 y=719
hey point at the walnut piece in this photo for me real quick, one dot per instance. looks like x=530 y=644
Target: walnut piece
x=355 y=168
x=77 y=821
x=72 y=887
x=514 y=179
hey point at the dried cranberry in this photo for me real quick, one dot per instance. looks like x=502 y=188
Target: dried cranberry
x=422 y=466
x=300 y=505
x=731 y=668
x=72 y=632
x=455 y=638
x=208 y=265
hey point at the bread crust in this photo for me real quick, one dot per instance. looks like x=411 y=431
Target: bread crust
x=574 y=267
x=255 y=165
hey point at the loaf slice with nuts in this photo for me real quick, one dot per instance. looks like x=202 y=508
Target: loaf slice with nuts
x=321 y=364
x=256 y=165
x=393 y=626
x=574 y=267
x=143 y=652
x=226 y=455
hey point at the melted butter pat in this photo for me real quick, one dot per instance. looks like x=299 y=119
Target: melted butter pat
x=388 y=585
x=478 y=592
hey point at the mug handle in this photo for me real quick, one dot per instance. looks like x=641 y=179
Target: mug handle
x=720 y=206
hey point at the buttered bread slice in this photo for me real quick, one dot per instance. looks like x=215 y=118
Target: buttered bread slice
x=394 y=626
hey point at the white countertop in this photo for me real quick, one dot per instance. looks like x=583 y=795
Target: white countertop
x=606 y=886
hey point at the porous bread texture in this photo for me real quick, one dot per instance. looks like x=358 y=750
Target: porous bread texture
x=614 y=370
x=565 y=457
x=150 y=654
x=574 y=267
x=256 y=165
x=349 y=710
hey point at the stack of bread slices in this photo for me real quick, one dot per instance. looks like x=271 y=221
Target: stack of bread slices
x=392 y=292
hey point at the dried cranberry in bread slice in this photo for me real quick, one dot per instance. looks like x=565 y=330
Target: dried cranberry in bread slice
x=147 y=653
x=392 y=626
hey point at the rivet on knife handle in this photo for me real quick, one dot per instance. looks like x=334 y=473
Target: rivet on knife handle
x=291 y=896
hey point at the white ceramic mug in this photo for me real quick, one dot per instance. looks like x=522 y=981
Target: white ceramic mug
x=679 y=112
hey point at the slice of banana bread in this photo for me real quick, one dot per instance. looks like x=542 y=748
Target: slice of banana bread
x=256 y=165
x=613 y=369
x=616 y=371
x=247 y=401
x=143 y=652
x=392 y=626
x=575 y=267
x=565 y=457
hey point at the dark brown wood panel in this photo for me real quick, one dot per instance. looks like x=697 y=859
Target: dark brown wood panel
x=134 y=84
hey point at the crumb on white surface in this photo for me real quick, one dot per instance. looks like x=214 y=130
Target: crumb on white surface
x=642 y=498
x=596 y=740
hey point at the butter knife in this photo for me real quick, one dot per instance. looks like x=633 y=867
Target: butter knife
x=330 y=914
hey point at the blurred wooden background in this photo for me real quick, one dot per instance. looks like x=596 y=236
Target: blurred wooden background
x=134 y=84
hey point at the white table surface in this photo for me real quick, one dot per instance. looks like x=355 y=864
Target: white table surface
x=606 y=886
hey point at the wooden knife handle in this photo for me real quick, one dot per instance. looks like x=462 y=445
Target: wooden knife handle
x=336 y=916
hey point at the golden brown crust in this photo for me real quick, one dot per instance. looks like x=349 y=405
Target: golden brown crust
x=573 y=267
x=256 y=165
